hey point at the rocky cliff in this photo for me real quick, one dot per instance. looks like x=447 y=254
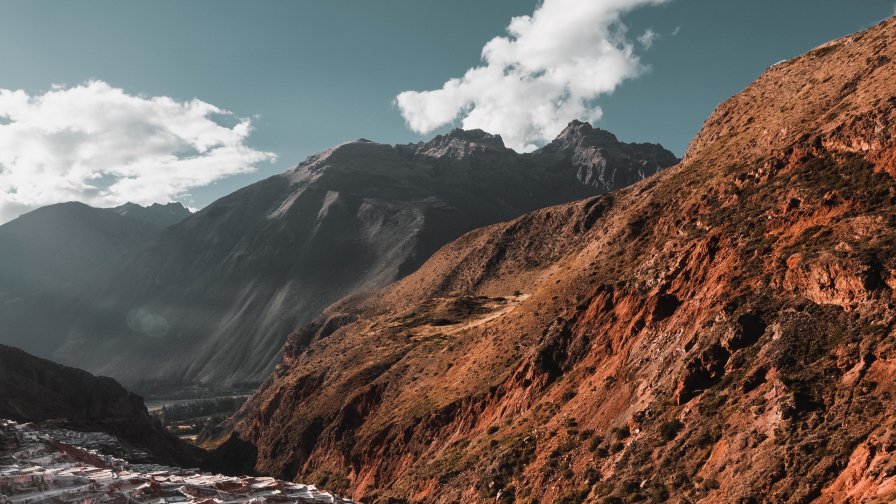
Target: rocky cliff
x=210 y=301
x=720 y=332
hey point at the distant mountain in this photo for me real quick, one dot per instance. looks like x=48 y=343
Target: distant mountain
x=156 y=214
x=722 y=332
x=47 y=255
x=210 y=301
x=60 y=244
x=37 y=390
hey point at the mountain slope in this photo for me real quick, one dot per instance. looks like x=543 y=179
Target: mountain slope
x=60 y=244
x=210 y=302
x=36 y=390
x=720 y=332
x=47 y=254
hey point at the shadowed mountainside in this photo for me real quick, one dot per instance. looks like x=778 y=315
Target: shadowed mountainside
x=720 y=332
x=37 y=390
x=46 y=256
x=210 y=301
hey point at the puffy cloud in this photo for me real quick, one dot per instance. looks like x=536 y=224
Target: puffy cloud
x=97 y=144
x=547 y=70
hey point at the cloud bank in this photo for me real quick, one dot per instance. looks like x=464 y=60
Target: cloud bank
x=97 y=144
x=548 y=70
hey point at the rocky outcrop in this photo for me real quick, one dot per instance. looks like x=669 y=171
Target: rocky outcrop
x=601 y=159
x=210 y=301
x=720 y=332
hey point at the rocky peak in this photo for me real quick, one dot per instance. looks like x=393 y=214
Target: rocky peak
x=157 y=214
x=462 y=143
x=600 y=159
x=477 y=136
x=355 y=156
x=582 y=134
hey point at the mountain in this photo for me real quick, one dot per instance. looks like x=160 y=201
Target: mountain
x=209 y=302
x=156 y=214
x=37 y=390
x=720 y=332
x=62 y=243
x=47 y=254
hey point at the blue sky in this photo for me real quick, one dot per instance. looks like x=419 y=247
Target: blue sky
x=311 y=74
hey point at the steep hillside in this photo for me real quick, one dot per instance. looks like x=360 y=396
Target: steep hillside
x=37 y=390
x=720 y=332
x=210 y=302
x=47 y=254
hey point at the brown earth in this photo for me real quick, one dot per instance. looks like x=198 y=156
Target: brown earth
x=720 y=332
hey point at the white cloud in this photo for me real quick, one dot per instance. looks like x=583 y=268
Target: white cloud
x=547 y=71
x=97 y=144
x=648 y=38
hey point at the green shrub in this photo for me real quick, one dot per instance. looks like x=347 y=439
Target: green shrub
x=568 y=395
x=621 y=432
x=669 y=430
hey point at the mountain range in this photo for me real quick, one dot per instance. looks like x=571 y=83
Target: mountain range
x=206 y=302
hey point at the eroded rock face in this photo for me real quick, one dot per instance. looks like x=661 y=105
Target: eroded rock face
x=720 y=332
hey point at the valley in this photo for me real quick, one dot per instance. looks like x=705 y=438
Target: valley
x=187 y=418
